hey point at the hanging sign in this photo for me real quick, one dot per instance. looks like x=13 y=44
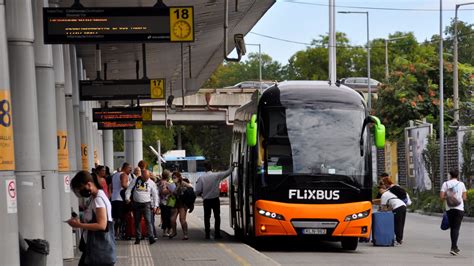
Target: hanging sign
x=120 y=125
x=117 y=114
x=7 y=155
x=117 y=24
x=122 y=89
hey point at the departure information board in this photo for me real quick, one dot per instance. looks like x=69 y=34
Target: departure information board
x=118 y=24
x=117 y=114
x=103 y=90
x=119 y=125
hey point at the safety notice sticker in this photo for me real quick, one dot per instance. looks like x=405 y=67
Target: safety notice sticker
x=11 y=195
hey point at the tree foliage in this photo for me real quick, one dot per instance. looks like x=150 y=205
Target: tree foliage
x=431 y=159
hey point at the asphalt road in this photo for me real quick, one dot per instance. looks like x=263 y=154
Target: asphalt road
x=424 y=244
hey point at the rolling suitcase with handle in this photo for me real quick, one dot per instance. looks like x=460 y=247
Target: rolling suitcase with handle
x=383 y=229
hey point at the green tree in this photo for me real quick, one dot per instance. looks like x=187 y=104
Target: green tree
x=465 y=41
x=231 y=73
x=312 y=63
x=431 y=158
x=153 y=133
x=118 y=141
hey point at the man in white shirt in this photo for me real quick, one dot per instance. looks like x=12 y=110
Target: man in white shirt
x=207 y=186
x=455 y=213
x=145 y=202
x=120 y=181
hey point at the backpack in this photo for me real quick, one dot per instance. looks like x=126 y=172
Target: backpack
x=451 y=199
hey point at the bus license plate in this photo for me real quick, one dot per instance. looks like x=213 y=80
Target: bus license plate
x=314 y=231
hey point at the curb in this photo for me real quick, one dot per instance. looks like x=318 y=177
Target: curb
x=437 y=214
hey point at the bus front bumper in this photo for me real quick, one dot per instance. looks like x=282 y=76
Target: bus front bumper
x=316 y=220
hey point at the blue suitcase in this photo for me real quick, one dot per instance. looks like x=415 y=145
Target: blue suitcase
x=383 y=229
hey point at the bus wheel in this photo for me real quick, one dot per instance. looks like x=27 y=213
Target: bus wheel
x=349 y=243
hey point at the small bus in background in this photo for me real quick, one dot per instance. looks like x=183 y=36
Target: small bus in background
x=191 y=167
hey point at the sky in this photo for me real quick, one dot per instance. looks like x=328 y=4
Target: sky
x=304 y=20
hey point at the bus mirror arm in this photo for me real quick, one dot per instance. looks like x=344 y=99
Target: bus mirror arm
x=367 y=120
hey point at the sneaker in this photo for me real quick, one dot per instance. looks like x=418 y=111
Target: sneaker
x=137 y=242
x=217 y=237
x=398 y=243
x=453 y=252
x=152 y=241
x=208 y=236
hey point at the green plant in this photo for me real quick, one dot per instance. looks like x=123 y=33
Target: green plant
x=467 y=168
x=469 y=206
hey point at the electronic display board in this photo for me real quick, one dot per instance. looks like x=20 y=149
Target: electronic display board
x=103 y=90
x=117 y=114
x=118 y=24
x=119 y=125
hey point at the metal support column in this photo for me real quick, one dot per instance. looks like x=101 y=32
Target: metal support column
x=85 y=149
x=76 y=106
x=63 y=151
x=9 y=248
x=46 y=97
x=133 y=146
x=72 y=129
x=108 y=139
x=24 y=101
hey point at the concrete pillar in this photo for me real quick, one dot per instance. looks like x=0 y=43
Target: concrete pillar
x=24 y=101
x=90 y=135
x=133 y=146
x=108 y=140
x=9 y=248
x=72 y=128
x=63 y=152
x=46 y=94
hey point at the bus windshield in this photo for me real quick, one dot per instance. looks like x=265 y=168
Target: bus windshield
x=314 y=140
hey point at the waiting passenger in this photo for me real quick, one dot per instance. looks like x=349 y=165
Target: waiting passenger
x=97 y=241
x=180 y=207
x=390 y=201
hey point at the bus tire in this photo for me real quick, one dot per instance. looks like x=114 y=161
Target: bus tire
x=349 y=243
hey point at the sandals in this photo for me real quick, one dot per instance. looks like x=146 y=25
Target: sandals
x=172 y=235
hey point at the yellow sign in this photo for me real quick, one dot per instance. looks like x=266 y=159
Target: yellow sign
x=157 y=88
x=63 y=151
x=7 y=152
x=391 y=160
x=138 y=125
x=181 y=24
x=146 y=114
x=85 y=157
x=95 y=155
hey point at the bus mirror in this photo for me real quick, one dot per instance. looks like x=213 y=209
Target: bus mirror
x=379 y=133
x=252 y=131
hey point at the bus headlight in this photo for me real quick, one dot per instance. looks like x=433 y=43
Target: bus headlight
x=272 y=215
x=356 y=216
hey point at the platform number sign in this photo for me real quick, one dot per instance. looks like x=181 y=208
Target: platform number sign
x=147 y=113
x=7 y=156
x=182 y=24
x=84 y=157
x=63 y=151
x=157 y=88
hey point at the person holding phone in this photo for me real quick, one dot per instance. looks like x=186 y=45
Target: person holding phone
x=97 y=240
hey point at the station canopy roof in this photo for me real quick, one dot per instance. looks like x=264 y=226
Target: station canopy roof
x=164 y=59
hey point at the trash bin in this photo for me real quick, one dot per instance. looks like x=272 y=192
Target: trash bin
x=36 y=254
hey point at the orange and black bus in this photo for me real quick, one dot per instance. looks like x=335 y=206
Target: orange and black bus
x=304 y=163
